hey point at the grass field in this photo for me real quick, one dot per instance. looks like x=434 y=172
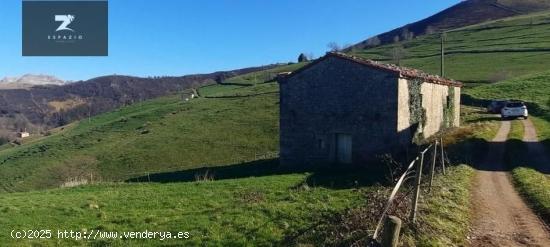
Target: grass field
x=249 y=211
x=444 y=217
x=535 y=187
x=533 y=88
x=543 y=130
x=490 y=51
x=165 y=134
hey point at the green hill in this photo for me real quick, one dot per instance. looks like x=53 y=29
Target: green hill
x=165 y=134
x=464 y=13
x=490 y=51
x=533 y=88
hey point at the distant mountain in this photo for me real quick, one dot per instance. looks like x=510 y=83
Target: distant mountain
x=463 y=14
x=29 y=80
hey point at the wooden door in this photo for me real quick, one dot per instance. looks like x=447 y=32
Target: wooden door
x=343 y=148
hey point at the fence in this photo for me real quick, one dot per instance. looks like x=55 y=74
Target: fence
x=416 y=168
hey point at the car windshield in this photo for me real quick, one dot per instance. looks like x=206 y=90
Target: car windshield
x=515 y=105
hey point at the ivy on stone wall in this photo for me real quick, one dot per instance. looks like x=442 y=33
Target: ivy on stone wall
x=449 y=110
x=417 y=112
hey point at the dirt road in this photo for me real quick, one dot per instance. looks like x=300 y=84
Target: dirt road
x=501 y=217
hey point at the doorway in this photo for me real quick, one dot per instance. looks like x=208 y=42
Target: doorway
x=343 y=148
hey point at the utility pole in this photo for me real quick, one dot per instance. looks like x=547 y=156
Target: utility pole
x=442 y=72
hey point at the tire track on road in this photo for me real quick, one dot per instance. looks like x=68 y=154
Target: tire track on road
x=500 y=216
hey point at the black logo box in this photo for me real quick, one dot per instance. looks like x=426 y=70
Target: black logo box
x=90 y=25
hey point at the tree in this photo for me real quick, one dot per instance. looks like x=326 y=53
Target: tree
x=397 y=54
x=430 y=30
x=406 y=34
x=396 y=39
x=302 y=58
x=374 y=41
x=334 y=47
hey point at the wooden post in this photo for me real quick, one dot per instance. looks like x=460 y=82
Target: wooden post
x=442 y=156
x=417 y=188
x=392 y=228
x=432 y=170
x=442 y=72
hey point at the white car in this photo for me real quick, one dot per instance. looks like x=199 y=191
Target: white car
x=514 y=109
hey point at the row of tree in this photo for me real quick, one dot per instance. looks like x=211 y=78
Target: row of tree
x=396 y=54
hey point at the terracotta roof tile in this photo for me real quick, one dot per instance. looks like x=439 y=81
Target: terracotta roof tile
x=401 y=71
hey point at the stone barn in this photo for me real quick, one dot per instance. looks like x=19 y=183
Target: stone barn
x=344 y=109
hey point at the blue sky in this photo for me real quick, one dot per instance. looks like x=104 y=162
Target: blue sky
x=178 y=37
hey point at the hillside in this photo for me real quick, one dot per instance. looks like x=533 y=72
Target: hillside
x=245 y=200
x=207 y=166
x=42 y=105
x=463 y=14
x=486 y=52
x=533 y=88
x=165 y=134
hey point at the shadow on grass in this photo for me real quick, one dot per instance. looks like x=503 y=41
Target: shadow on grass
x=327 y=176
x=484 y=119
x=470 y=151
x=239 y=96
x=528 y=154
x=502 y=156
x=235 y=84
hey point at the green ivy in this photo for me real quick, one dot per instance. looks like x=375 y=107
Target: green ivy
x=449 y=111
x=417 y=112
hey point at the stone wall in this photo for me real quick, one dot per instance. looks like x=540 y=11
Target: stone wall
x=403 y=111
x=434 y=101
x=377 y=108
x=337 y=96
x=457 y=106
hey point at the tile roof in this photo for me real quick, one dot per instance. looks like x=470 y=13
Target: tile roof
x=401 y=71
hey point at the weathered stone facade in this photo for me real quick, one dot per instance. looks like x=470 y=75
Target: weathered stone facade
x=341 y=106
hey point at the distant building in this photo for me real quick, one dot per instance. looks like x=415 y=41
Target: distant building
x=23 y=134
x=344 y=109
